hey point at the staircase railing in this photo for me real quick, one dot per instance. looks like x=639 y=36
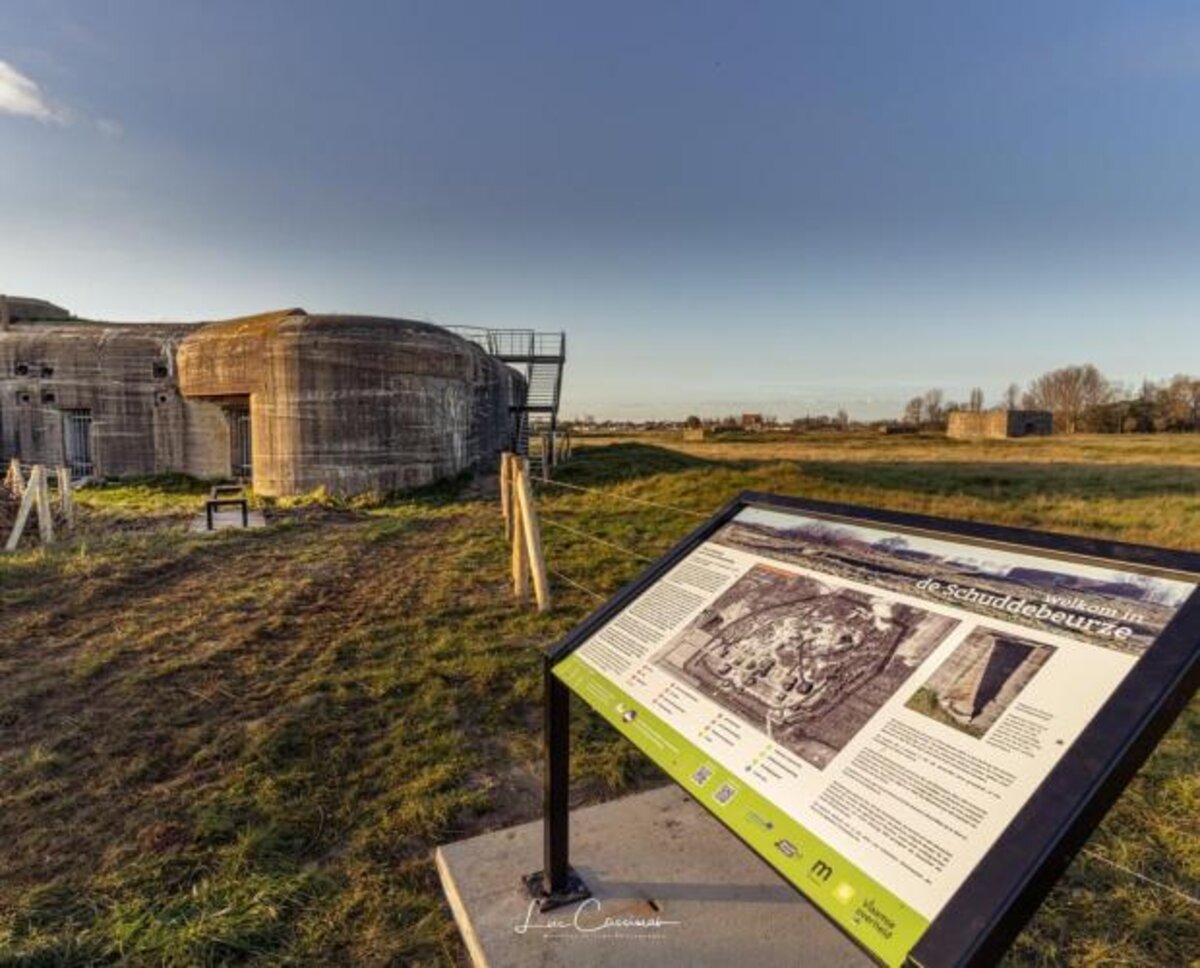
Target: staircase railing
x=539 y=357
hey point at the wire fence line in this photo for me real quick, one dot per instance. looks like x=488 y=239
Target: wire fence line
x=639 y=556
x=571 y=581
x=1095 y=855
x=596 y=538
x=625 y=497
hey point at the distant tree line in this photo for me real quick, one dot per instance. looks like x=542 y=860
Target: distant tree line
x=1082 y=399
x=839 y=421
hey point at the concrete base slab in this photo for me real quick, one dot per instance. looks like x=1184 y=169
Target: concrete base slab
x=675 y=887
x=226 y=518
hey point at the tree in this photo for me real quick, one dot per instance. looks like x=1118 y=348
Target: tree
x=692 y=422
x=913 y=411
x=1012 y=397
x=1069 y=393
x=843 y=419
x=976 y=399
x=933 y=406
x=1177 y=403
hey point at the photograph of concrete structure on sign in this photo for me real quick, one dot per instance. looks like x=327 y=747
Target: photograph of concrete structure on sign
x=1120 y=610
x=291 y=401
x=805 y=662
x=980 y=680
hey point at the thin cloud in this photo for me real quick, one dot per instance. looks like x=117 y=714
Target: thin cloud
x=21 y=96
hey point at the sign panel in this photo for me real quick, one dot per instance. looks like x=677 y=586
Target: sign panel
x=868 y=705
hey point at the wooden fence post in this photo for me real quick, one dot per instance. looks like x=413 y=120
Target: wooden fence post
x=531 y=534
x=506 y=493
x=14 y=480
x=520 y=553
x=27 y=501
x=45 y=515
x=66 y=496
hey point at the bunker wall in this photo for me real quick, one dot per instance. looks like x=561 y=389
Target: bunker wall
x=353 y=404
x=999 y=423
x=121 y=381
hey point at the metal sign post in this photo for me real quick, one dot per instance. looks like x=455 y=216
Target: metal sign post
x=556 y=884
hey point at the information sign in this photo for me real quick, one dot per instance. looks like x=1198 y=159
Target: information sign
x=916 y=722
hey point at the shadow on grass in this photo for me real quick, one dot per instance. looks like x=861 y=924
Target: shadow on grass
x=440 y=493
x=136 y=491
x=617 y=463
x=157 y=483
x=1008 y=482
x=994 y=481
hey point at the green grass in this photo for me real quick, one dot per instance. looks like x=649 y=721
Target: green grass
x=244 y=747
x=925 y=701
x=865 y=446
x=157 y=495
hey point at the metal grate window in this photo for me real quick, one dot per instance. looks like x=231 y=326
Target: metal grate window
x=77 y=441
x=239 y=442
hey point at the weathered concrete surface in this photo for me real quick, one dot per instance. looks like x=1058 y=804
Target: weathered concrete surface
x=225 y=519
x=353 y=403
x=345 y=403
x=123 y=376
x=655 y=855
x=983 y=676
x=1000 y=423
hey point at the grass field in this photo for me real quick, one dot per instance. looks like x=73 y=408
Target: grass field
x=244 y=747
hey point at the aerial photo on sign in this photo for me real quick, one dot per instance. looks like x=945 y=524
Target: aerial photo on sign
x=806 y=663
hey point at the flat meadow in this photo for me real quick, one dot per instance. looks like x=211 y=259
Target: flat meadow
x=244 y=747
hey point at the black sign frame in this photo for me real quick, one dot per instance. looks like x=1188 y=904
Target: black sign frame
x=984 y=916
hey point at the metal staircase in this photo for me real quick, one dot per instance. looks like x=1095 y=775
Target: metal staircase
x=539 y=358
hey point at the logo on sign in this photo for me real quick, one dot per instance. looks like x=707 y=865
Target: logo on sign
x=787 y=848
x=820 y=871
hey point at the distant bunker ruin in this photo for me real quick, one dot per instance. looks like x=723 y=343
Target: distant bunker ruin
x=968 y=424
x=291 y=401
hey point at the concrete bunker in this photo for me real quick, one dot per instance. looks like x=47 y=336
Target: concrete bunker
x=969 y=424
x=980 y=679
x=290 y=401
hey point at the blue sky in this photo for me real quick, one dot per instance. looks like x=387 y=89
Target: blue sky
x=784 y=207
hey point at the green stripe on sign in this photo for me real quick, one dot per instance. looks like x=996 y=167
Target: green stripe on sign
x=872 y=915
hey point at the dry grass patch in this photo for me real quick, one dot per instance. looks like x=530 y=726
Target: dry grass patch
x=244 y=747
